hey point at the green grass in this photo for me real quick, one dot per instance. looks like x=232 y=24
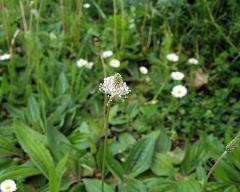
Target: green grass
x=51 y=128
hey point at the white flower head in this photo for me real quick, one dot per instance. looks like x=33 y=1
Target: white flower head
x=86 y=5
x=89 y=65
x=193 y=61
x=177 y=76
x=114 y=63
x=173 y=57
x=82 y=63
x=5 y=56
x=179 y=91
x=143 y=70
x=106 y=54
x=8 y=186
x=114 y=87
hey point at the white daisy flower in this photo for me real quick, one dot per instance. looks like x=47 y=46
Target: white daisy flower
x=8 y=186
x=114 y=87
x=173 y=57
x=143 y=70
x=82 y=63
x=177 y=76
x=106 y=54
x=5 y=56
x=179 y=91
x=89 y=65
x=193 y=61
x=114 y=63
x=86 y=5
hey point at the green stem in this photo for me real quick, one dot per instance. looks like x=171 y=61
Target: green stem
x=212 y=169
x=115 y=23
x=106 y=116
x=103 y=66
x=160 y=89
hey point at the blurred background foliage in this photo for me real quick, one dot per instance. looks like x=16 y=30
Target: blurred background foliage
x=51 y=110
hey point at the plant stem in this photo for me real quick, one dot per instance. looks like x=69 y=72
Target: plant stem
x=212 y=169
x=115 y=24
x=5 y=22
x=106 y=116
x=78 y=18
x=160 y=89
x=23 y=16
x=103 y=66
x=106 y=109
x=62 y=15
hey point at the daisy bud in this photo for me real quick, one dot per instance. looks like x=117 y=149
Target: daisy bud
x=114 y=63
x=81 y=63
x=106 y=54
x=86 y=5
x=177 y=76
x=192 y=61
x=143 y=70
x=173 y=57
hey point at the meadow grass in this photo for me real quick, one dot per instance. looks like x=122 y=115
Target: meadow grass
x=53 y=121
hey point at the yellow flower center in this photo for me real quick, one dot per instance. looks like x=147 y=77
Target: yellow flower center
x=8 y=187
x=179 y=91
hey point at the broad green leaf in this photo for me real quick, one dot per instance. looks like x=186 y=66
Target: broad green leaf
x=61 y=168
x=78 y=188
x=62 y=84
x=132 y=185
x=141 y=155
x=159 y=184
x=33 y=108
x=162 y=165
x=115 y=167
x=7 y=148
x=176 y=156
x=34 y=113
x=187 y=185
x=94 y=185
x=163 y=143
x=227 y=173
x=18 y=172
x=125 y=141
x=231 y=189
x=36 y=150
x=53 y=180
x=194 y=155
x=201 y=173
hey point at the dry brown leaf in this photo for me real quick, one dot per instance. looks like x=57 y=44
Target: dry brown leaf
x=200 y=78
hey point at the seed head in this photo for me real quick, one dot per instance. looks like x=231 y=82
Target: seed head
x=114 y=87
x=235 y=143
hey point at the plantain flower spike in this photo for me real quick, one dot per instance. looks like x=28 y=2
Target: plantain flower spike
x=235 y=143
x=114 y=87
